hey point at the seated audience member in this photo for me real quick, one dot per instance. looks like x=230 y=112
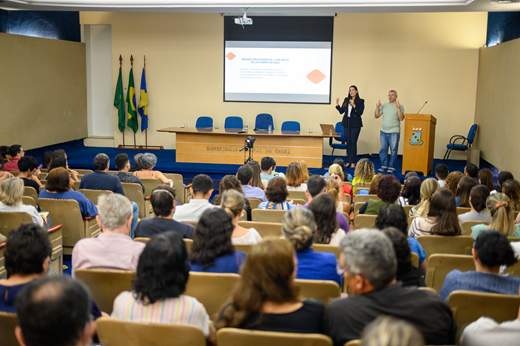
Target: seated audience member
x=28 y=172
x=501 y=178
x=276 y=195
x=486 y=331
x=268 y=165
x=162 y=274
x=257 y=181
x=212 y=250
x=463 y=191
x=58 y=187
x=512 y=190
x=334 y=189
x=324 y=209
x=428 y=188
x=4 y=152
x=393 y=215
x=390 y=331
x=54 y=301
x=471 y=171
x=501 y=217
x=388 y=191
x=231 y=182
x=441 y=218
x=317 y=185
x=46 y=159
x=233 y=203
x=477 y=201
x=123 y=165
x=341 y=163
x=245 y=176
x=298 y=226
x=369 y=262
x=411 y=194
x=452 y=181
x=485 y=177
x=266 y=298
x=335 y=170
x=441 y=173
x=16 y=152
x=295 y=177
x=163 y=204
x=11 y=193
x=113 y=248
x=364 y=173
x=201 y=190
x=408 y=274
x=62 y=162
x=147 y=163
x=305 y=169
x=372 y=190
x=490 y=251
x=135 y=167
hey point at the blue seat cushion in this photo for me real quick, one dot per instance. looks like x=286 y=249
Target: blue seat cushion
x=457 y=146
x=338 y=146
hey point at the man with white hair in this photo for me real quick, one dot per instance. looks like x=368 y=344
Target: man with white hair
x=370 y=265
x=113 y=248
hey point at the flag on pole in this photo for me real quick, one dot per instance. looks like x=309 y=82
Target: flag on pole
x=119 y=103
x=130 y=99
x=143 y=102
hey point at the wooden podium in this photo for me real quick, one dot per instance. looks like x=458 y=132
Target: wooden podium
x=418 y=143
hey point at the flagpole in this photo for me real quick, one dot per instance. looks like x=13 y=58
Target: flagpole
x=122 y=132
x=146 y=147
x=132 y=66
x=130 y=147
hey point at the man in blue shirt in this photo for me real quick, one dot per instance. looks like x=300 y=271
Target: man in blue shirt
x=245 y=176
x=268 y=165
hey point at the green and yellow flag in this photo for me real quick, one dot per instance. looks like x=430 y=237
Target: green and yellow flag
x=130 y=99
x=119 y=103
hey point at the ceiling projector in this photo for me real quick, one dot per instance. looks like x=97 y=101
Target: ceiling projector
x=244 y=20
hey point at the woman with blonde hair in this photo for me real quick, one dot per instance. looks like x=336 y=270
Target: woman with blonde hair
x=334 y=189
x=11 y=193
x=336 y=170
x=499 y=205
x=233 y=202
x=364 y=173
x=299 y=227
x=305 y=169
x=428 y=188
x=294 y=177
x=452 y=181
x=266 y=298
x=390 y=331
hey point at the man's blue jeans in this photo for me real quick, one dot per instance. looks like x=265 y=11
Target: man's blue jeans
x=388 y=140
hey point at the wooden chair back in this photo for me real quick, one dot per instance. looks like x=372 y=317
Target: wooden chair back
x=8 y=322
x=415 y=259
x=364 y=221
x=298 y=201
x=407 y=209
x=245 y=248
x=142 y=240
x=469 y=306
x=356 y=342
x=178 y=184
x=213 y=290
x=149 y=185
x=297 y=194
x=357 y=206
x=83 y=171
x=439 y=265
x=514 y=269
x=10 y=221
x=254 y=202
x=266 y=229
x=93 y=195
x=27 y=200
x=365 y=198
x=455 y=245
x=3 y=272
x=188 y=243
x=466 y=226
x=105 y=285
x=463 y=210
x=235 y=336
x=364 y=184
x=114 y=332
x=31 y=192
x=262 y=215
x=323 y=290
x=76 y=185
x=56 y=238
x=134 y=192
x=67 y=213
x=327 y=248
x=410 y=219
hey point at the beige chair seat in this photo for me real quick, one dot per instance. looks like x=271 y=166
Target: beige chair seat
x=8 y=322
x=31 y=192
x=149 y=185
x=318 y=289
x=134 y=192
x=455 y=245
x=236 y=337
x=266 y=229
x=466 y=226
x=3 y=272
x=440 y=265
x=261 y=215
x=364 y=221
x=93 y=195
x=296 y=194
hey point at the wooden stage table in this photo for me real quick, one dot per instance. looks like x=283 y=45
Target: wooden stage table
x=208 y=145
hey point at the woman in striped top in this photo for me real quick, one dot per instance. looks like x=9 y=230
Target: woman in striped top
x=162 y=273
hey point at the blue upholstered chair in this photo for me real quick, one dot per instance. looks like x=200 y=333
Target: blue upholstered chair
x=342 y=140
x=204 y=122
x=291 y=126
x=234 y=123
x=263 y=120
x=461 y=143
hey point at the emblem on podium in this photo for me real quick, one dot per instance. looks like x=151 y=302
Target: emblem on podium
x=416 y=136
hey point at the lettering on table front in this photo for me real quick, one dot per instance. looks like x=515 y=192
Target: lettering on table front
x=259 y=151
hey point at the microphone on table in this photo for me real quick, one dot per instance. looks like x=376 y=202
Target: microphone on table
x=422 y=107
x=263 y=121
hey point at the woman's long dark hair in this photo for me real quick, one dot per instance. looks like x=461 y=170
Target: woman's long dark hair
x=442 y=206
x=464 y=191
x=212 y=237
x=323 y=207
x=345 y=104
x=412 y=190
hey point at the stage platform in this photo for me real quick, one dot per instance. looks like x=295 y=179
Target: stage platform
x=80 y=156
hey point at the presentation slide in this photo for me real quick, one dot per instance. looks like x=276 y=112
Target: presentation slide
x=269 y=71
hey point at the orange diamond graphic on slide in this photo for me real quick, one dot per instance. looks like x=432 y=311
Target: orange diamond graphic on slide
x=230 y=56
x=316 y=76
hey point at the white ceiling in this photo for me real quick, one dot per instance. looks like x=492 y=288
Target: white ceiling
x=259 y=7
